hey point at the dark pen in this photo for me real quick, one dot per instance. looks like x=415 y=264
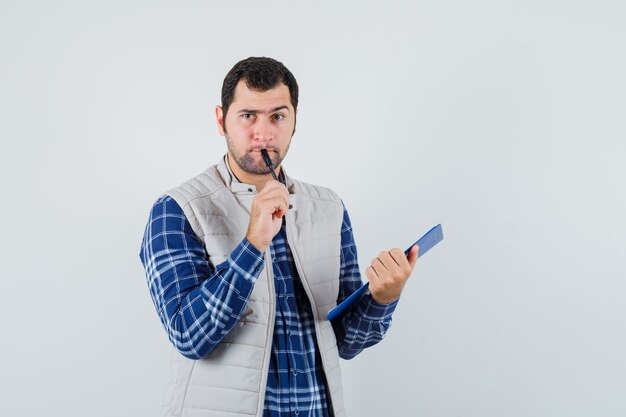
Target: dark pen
x=268 y=162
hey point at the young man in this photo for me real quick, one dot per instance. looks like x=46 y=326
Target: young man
x=243 y=269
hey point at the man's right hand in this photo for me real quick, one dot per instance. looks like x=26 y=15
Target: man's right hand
x=266 y=216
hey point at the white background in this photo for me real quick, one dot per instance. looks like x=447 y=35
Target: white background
x=502 y=120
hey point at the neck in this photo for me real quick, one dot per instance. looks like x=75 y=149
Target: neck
x=258 y=180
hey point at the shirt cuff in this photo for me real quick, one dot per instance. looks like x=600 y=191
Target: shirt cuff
x=375 y=311
x=247 y=260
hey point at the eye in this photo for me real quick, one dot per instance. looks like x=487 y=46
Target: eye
x=279 y=116
x=247 y=116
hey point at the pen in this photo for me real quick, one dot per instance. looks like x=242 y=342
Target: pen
x=268 y=162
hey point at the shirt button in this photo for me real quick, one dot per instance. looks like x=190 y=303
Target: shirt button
x=295 y=372
x=296 y=412
x=250 y=190
x=274 y=260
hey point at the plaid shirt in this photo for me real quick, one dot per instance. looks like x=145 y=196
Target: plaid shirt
x=199 y=303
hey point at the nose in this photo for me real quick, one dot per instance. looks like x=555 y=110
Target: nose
x=263 y=130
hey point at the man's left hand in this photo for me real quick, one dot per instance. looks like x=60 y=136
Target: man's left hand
x=388 y=273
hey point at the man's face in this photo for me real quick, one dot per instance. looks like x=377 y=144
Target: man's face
x=258 y=120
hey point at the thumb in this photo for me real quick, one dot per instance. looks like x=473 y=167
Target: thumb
x=413 y=255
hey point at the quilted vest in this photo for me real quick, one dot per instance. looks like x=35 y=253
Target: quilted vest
x=231 y=380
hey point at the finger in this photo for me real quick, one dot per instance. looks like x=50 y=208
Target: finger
x=399 y=257
x=379 y=268
x=413 y=255
x=280 y=206
x=276 y=192
x=273 y=194
x=270 y=187
x=387 y=260
x=285 y=197
x=273 y=185
x=277 y=198
x=404 y=264
x=271 y=205
x=371 y=274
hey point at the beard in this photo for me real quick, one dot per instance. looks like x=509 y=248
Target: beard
x=248 y=162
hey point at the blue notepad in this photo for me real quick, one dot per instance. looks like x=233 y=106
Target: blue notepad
x=425 y=243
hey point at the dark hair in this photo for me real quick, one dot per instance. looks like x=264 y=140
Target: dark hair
x=260 y=74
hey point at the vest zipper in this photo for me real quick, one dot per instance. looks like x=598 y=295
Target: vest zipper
x=305 y=285
x=270 y=331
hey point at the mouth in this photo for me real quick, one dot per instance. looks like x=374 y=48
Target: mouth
x=260 y=149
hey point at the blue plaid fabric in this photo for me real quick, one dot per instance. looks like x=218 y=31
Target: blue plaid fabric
x=198 y=304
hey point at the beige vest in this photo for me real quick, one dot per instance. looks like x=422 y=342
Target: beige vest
x=231 y=380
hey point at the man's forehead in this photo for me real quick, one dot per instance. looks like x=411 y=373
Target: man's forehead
x=274 y=97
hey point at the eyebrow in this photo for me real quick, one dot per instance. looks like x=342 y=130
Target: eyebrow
x=275 y=109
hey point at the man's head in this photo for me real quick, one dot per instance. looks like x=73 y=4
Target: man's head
x=258 y=111
x=259 y=74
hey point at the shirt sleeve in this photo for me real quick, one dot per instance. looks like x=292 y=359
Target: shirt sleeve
x=198 y=303
x=365 y=323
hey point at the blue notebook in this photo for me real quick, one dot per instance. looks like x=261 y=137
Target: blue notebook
x=425 y=243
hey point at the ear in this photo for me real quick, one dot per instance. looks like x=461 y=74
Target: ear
x=219 y=116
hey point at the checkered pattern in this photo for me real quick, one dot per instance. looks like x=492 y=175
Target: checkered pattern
x=199 y=304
